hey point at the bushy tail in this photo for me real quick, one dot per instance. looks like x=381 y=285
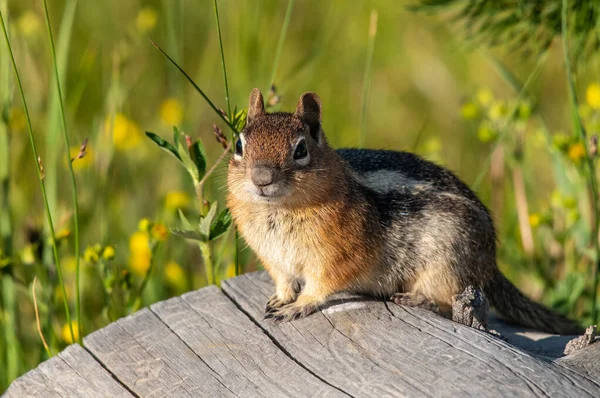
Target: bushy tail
x=518 y=309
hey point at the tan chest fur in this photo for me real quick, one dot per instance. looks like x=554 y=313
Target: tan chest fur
x=285 y=239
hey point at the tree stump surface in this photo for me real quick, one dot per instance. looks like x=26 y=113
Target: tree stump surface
x=214 y=342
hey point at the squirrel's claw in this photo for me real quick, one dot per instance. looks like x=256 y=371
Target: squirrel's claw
x=274 y=304
x=290 y=312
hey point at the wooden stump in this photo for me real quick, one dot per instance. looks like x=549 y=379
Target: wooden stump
x=214 y=342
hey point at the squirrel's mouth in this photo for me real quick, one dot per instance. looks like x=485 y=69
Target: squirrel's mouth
x=270 y=193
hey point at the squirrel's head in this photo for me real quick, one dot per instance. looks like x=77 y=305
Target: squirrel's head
x=279 y=157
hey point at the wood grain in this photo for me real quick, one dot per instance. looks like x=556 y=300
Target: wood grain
x=143 y=353
x=240 y=354
x=72 y=373
x=370 y=348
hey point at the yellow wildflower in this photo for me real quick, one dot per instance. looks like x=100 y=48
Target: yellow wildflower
x=576 y=152
x=140 y=254
x=144 y=225
x=534 y=220
x=592 y=95
x=28 y=24
x=84 y=162
x=125 y=132
x=497 y=110
x=16 y=119
x=174 y=274
x=569 y=202
x=108 y=253
x=146 y=19
x=171 y=112
x=28 y=255
x=91 y=255
x=66 y=332
x=160 y=232
x=62 y=234
x=485 y=133
x=176 y=200
x=485 y=96
x=469 y=111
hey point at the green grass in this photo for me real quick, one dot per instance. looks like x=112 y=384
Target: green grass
x=102 y=79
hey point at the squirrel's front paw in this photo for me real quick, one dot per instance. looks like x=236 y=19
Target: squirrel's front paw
x=291 y=311
x=275 y=303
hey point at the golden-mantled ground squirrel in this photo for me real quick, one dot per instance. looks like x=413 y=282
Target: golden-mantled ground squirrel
x=381 y=223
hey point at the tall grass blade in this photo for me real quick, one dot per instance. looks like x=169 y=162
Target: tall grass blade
x=53 y=145
x=367 y=78
x=5 y=139
x=592 y=183
x=40 y=177
x=71 y=172
x=198 y=89
x=222 y=59
x=280 y=42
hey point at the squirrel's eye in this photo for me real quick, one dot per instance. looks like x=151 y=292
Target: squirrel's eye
x=239 y=149
x=301 y=151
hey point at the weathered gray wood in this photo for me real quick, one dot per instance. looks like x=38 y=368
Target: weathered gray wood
x=586 y=361
x=237 y=350
x=144 y=354
x=372 y=348
x=72 y=373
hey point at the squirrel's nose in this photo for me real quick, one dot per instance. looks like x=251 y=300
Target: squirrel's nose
x=262 y=176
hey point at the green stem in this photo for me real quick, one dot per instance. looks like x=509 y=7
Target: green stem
x=592 y=185
x=367 y=78
x=222 y=59
x=72 y=173
x=282 y=34
x=206 y=251
x=40 y=176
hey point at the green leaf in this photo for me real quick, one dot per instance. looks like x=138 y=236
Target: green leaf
x=184 y=220
x=176 y=135
x=164 y=145
x=207 y=221
x=221 y=224
x=186 y=159
x=198 y=156
x=190 y=234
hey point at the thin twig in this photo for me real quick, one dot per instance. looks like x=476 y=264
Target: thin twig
x=214 y=166
x=37 y=317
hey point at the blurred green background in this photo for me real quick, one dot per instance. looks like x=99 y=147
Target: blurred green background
x=429 y=92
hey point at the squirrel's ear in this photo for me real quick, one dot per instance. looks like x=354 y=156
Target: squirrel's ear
x=309 y=111
x=256 y=106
